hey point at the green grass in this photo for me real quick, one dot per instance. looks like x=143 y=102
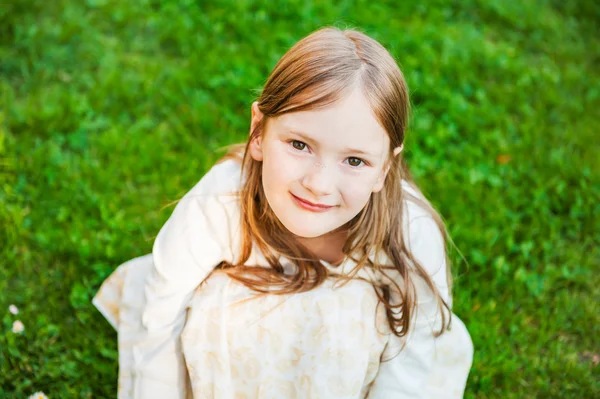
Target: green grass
x=110 y=109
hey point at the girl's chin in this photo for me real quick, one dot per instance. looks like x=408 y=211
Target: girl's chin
x=301 y=232
x=307 y=234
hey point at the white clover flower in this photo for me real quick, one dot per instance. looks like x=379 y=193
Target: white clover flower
x=13 y=309
x=18 y=327
x=38 y=395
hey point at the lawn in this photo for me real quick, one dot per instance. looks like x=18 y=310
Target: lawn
x=109 y=110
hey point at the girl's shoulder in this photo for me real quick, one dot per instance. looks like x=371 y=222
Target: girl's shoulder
x=202 y=228
x=424 y=237
x=224 y=178
x=419 y=223
x=210 y=207
x=415 y=205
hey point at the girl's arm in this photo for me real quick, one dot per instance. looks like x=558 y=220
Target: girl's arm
x=406 y=375
x=195 y=239
x=190 y=244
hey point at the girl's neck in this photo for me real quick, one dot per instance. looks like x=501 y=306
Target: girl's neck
x=327 y=247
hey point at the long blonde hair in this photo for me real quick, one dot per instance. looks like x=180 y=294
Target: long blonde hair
x=314 y=73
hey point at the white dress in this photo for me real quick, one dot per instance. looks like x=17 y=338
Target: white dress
x=184 y=332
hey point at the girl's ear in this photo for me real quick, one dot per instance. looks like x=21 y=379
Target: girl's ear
x=398 y=150
x=257 y=116
x=381 y=179
x=256 y=143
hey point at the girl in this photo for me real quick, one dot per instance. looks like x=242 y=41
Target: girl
x=306 y=263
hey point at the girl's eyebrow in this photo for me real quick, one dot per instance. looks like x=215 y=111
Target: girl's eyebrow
x=346 y=150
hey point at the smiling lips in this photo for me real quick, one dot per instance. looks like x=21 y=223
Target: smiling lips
x=310 y=206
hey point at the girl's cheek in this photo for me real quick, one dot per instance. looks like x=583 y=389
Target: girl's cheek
x=358 y=189
x=289 y=166
x=359 y=180
x=353 y=192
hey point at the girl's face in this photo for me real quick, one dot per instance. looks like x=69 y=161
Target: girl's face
x=320 y=167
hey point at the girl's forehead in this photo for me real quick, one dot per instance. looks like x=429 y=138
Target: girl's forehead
x=348 y=123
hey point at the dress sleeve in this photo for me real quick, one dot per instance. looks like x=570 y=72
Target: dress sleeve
x=190 y=244
x=406 y=374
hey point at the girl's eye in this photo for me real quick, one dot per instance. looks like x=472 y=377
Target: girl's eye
x=300 y=146
x=352 y=161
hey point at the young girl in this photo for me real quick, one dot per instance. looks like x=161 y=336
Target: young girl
x=305 y=264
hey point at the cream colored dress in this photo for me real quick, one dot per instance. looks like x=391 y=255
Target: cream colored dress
x=184 y=332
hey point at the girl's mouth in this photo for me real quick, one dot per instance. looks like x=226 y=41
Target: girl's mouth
x=310 y=206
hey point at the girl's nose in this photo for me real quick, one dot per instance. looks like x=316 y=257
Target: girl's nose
x=319 y=179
